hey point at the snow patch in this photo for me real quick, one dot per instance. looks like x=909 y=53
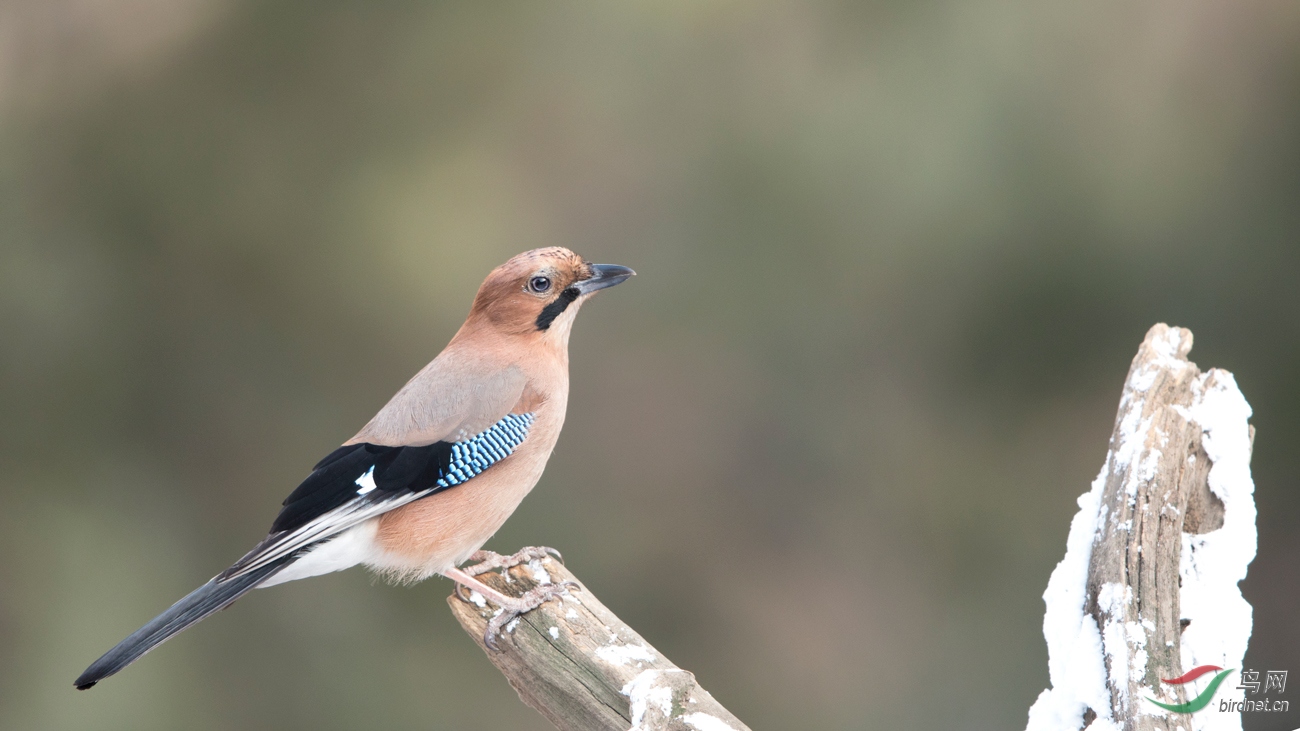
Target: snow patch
x=540 y=575
x=1074 y=648
x=705 y=722
x=624 y=654
x=1211 y=564
x=643 y=694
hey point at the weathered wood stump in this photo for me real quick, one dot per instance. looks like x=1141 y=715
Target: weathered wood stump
x=1148 y=586
x=581 y=667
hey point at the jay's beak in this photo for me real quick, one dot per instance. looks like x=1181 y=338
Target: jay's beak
x=603 y=275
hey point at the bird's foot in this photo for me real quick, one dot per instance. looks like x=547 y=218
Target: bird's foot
x=511 y=608
x=530 y=600
x=486 y=561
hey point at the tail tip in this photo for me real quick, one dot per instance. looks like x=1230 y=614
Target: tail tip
x=90 y=677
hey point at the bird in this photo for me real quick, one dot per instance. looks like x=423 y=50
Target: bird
x=427 y=481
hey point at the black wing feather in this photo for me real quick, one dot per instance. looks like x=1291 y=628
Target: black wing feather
x=333 y=484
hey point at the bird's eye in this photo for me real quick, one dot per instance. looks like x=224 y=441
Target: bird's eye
x=539 y=284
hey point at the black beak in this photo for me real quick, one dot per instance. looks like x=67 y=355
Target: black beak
x=602 y=276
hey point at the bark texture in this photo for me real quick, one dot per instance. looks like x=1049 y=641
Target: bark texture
x=1156 y=489
x=582 y=668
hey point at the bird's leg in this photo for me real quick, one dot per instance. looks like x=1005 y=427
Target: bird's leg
x=511 y=607
x=486 y=561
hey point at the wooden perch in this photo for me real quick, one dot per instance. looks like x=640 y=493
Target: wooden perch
x=581 y=667
x=1148 y=586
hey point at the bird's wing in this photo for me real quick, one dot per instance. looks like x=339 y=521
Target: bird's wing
x=362 y=479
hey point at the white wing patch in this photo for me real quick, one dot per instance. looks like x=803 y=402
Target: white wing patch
x=367 y=481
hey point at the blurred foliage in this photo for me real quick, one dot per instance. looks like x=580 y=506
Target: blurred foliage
x=894 y=257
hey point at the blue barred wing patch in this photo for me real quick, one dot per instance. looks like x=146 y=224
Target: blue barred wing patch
x=470 y=457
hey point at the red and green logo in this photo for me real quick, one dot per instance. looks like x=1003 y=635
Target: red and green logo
x=1201 y=700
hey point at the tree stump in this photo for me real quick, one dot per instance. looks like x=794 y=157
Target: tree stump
x=1148 y=586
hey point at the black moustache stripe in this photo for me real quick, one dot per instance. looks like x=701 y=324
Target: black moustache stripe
x=553 y=310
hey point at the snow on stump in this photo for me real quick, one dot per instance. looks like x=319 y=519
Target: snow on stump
x=581 y=667
x=1148 y=590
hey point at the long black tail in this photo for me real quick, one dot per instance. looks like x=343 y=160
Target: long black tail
x=211 y=597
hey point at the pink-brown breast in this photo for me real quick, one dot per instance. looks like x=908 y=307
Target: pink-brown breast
x=441 y=531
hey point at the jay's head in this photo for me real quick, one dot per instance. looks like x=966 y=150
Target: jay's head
x=540 y=291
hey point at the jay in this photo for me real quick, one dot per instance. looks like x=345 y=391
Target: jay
x=437 y=471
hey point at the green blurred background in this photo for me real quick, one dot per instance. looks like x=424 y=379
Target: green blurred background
x=895 y=258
